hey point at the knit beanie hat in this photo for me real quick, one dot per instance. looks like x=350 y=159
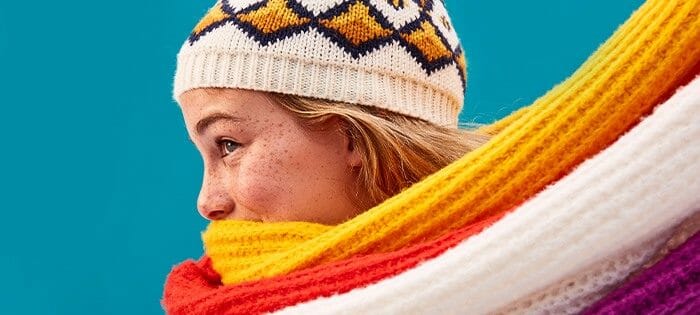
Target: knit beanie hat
x=400 y=55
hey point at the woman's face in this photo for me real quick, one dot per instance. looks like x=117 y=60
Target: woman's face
x=260 y=164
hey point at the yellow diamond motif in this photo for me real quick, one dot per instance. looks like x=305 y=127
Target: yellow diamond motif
x=357 y=25
x=272 y=17
x=428 y=42
x=214 y=15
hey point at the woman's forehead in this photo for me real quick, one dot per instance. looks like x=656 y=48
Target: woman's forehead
x=238 y=102
x=204 y=108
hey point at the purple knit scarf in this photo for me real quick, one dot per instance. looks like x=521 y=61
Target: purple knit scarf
x=671 y=286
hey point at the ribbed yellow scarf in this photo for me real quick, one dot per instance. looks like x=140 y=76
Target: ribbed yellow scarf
x=532 y=147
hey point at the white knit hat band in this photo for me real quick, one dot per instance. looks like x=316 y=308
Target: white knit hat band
x=257 y=70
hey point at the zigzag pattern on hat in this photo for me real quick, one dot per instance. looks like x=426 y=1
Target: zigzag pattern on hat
x=357 y=26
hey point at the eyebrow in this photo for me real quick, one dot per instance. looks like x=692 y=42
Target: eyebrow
x=207 y=121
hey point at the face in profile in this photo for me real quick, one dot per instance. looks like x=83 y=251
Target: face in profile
x=262 y=164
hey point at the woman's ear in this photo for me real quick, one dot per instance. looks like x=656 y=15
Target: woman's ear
x=354 y=155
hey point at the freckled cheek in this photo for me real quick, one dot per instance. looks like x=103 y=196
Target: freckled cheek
x=260 y=187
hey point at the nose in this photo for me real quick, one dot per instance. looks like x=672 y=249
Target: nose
x=214 y=203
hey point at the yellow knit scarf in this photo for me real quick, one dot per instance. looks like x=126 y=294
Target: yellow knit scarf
x=621 y=82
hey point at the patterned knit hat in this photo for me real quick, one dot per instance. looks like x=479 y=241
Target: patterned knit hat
x=399 y=55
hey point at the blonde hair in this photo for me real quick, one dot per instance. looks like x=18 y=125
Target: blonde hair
x=396 y=150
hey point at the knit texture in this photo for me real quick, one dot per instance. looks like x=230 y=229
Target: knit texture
x=672 y=286
x=563 y=228
x=571 y=295
x=644 y=61
x=532 y=148
x=403 y=56
x=195 y=288
x=608 y=205
x=681 y=234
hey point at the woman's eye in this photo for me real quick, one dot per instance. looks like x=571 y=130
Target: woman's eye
x=227 y=146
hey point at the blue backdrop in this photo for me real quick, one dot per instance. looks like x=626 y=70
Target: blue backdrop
x=99 y=181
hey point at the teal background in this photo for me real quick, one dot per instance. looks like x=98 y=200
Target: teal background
x=99 y=181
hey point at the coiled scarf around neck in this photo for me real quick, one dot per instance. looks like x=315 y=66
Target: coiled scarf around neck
x=260 y=267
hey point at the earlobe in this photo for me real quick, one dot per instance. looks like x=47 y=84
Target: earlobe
x=354 y=157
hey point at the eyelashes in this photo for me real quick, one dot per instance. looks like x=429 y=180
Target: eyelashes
x=226 y=146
